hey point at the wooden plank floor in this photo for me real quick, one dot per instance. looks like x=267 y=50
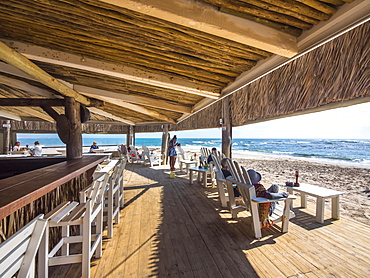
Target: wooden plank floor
x=170 y=228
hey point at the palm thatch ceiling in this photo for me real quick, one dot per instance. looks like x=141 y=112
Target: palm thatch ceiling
x=151 y=61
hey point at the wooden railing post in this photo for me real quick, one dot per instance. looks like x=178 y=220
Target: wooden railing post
x=130 y=139
x=226 y=127
x=6 y=145
x=164 y=147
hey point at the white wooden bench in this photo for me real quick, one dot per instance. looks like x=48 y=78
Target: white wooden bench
x=17 y=253
x=321 y=194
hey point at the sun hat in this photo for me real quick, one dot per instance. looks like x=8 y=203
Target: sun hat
x=254 y=176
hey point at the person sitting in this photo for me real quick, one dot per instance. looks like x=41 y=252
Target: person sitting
x=214 y=152
x=93 y=147
x=265 y=209
x=138 y=154
x=227 y=173
x=17 y=146
x=37 y=149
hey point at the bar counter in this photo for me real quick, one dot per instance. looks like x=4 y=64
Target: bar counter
x=20 y=190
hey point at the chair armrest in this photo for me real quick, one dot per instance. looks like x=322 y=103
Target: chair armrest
x=265 y=200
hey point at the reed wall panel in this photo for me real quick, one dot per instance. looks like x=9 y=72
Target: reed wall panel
x=336 y=72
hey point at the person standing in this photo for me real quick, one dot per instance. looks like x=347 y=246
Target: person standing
x=172 y=152
x=37 y=149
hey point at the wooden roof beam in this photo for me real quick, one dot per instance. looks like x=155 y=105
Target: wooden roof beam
x=136 y=108
x=24 y=86
x=151 y=102
x=30 y=102
x=35 y=113
x=7 y=115
x=109 y=115
x=208 y=19
x=46 y=55
x=21 y=62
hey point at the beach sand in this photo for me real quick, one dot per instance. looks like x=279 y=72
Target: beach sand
x=354 y=181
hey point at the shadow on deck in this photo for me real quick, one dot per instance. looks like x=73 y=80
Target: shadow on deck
x=170 y=228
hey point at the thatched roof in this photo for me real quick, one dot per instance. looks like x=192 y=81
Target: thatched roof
x=156 y=62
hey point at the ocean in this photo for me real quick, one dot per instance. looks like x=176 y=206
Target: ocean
x=355 y=152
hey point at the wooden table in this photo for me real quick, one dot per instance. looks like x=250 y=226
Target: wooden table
x=201 y=171
x=187 y=163
x=321 y=194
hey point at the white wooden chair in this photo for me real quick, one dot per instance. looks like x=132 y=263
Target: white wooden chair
x=134 y=156
x=123 y=152
x=150 y=158
x=182 y=159
x=248 y=192
x=17 y=253
x=220 y=182
x=114 y=198
x=76 y=214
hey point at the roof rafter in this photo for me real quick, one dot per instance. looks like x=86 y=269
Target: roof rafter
x=206 y=18
x=109 y=115
x=34 y=113
x=161 y=104
x=46 y=55
x=24 y=86
x=18 y=60
x=11 y=116
x=136 y=108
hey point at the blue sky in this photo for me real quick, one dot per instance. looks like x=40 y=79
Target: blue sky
x=351 y=122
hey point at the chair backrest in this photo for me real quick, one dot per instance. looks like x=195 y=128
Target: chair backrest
x=96 y=194
x=180 y=153
x=123 y=152
x=205 y=152
x=245 y=187
x=17 y=253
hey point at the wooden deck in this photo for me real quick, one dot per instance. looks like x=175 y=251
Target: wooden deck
x=172 y=229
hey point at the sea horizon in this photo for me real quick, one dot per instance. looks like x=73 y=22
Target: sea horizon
x=351 y=152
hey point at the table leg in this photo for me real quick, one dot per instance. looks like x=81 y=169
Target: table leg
x=290 y=191
x=303 y=200
x=181 y=166
x=205 y=179
x=335 y=207
x=191 y=176
x=320 y=207
x=199 y=175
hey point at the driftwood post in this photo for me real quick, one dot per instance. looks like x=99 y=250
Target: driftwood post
x=164 y=147
x=6 y=147
x=226 y=127
x=74 y=146
x=130 y=136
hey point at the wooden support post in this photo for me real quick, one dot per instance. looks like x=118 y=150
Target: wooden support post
x=74 y=146
x=226 y=127
x=6 y=146
x=164 y=147
x=130 y=136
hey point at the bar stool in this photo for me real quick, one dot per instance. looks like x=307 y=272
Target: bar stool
x=17 y=253
x=70 y=214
